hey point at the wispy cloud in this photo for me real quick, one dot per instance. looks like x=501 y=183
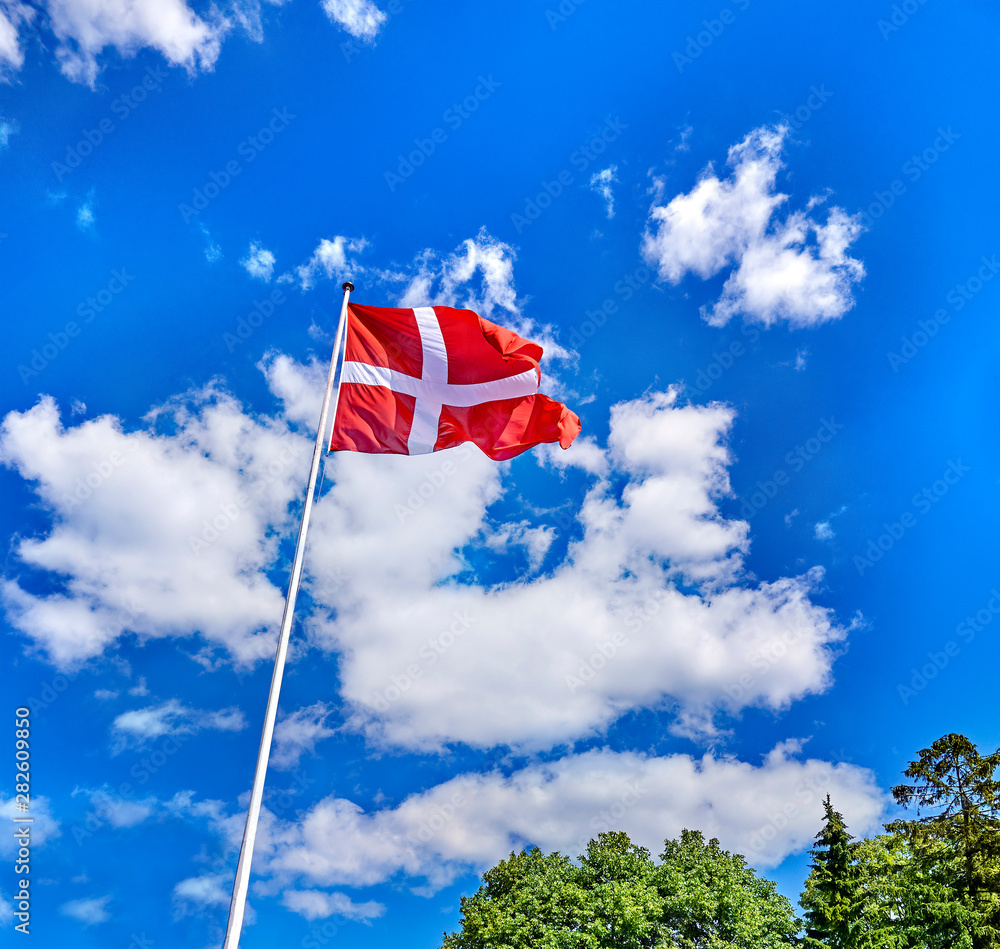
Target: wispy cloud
x=332 y=259
x=137 y=727
x=85 y=218
x=360 y=18
x=90 y=912
x=315 y=904
x=601 y=183
x=298 y=733
x=213 y=251
x=259 y=262
x=8 y=127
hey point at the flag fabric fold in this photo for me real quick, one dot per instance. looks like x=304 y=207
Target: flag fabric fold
x=420 y=380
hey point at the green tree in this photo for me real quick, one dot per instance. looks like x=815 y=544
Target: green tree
x=713 y=900
x=831 y=894
x=901 y=904
x=957 y=844
x=699 y=897
x=529 y=900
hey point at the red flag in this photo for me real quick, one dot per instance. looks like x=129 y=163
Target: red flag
x=416 y=381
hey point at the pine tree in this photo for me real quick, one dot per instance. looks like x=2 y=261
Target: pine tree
x=831 y=890
x=958 y=843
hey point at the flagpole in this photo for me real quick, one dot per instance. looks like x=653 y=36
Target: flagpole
x=242 y=881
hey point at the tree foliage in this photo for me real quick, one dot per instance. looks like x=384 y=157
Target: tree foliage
x=698 y=897
x=831 y=895
x=932 y=881
x=957 y=838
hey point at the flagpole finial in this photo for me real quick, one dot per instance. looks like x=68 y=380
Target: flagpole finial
x=348 y=286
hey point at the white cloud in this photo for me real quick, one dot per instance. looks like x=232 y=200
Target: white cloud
x=203 y=892
x=6 y=908
x=140 y=688
x=44 y=827
x=586 y=454
x=85 y=219
x=795 y=269
x=213 y=251
x=452 y=280
x=84 y=28
x=656 y=581
x=360 y=18
x=331 y=260
x=105 y=695
x=656 y=576
x=297 y=734
x=466 y=824
x=648 y=607
x=535 y=541
x=601 y=183
x=248 y=15
x=90 y=912
x=136 y=727
x=315 y=904
x=8 y=127
x=258 y=262
x=161 y=535
x=12 y=15
x=823 y=531
x=117 y=811
x=478 y=275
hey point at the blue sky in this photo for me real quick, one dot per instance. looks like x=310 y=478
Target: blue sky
x=758 y=242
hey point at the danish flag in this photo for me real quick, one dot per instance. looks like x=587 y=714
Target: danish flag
x=420 y=380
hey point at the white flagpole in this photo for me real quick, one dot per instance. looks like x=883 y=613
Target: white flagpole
x=242 y=881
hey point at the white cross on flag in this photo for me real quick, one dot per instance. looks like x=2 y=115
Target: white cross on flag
x=420 y=380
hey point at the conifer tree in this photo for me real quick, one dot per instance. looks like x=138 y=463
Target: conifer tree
x=957 y=843
x=831 y=890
